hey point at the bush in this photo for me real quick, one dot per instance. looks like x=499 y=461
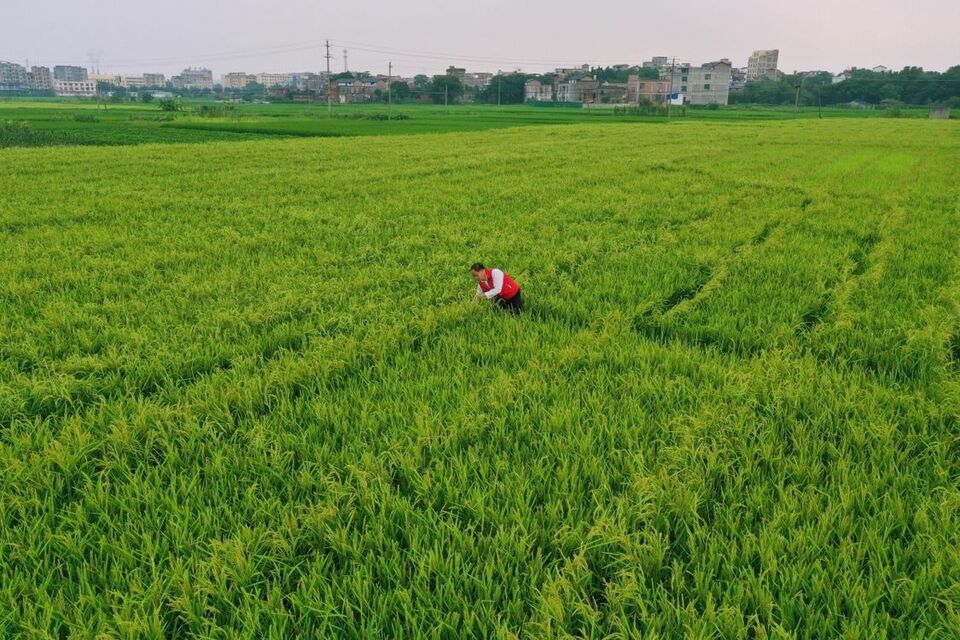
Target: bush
x=384 y=116
x=215 y=110
x=645 y=109
x=170 y=105
x=84 y=117
x=19 y=134
x=373 y=116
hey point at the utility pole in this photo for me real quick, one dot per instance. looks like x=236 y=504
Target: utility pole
x=329 y=82
x=820 y=101
x=446 y=98
x=673 y=62
x=389 y=90
x=796 y=106
x=498 y=90
x=345 y=67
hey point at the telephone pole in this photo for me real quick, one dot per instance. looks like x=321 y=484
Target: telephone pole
x=345 y=67
x=673 y=62
x=796 y=106
x=329 y=82
x=498 y=90
x=446 y=98
x=389 y=90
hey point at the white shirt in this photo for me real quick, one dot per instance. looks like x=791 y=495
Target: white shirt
x=497 y=276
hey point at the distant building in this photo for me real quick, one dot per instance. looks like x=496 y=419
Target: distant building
x=154 y=80
x=196 y=78
x=613 y=92
x=537 y=91
x=738 y=78
x=309 y=81
x=75 y=87
x=582 y=89
x=457 y=72
x=476 y=80
x=763 y=65
x=104 y=78
x=840 y=77
x=237 y=80
x=132 y=82
x=346 y=90
x=13 y=77
x=70 y=73
x=707 y=84
x=564 y=72
x=275 y=79
x=643 y=90
x=880 y=69
x=40 y=79
x=657 y=62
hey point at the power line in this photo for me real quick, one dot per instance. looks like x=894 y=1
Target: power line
x=295 y=47
x=237 y=53
x=373 y=48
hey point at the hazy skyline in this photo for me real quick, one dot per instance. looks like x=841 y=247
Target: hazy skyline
x=428 y=35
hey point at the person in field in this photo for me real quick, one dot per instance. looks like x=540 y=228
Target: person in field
x=495 y=285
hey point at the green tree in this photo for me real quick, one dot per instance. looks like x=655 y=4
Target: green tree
x=509 y=87
x=400 y=90
x=446 y=88
x=421 y=83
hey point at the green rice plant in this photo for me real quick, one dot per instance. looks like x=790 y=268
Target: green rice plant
x=244 y=393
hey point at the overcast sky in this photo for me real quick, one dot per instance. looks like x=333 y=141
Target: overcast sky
x=424 y=36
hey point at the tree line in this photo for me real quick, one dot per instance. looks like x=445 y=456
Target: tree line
x=912 y=86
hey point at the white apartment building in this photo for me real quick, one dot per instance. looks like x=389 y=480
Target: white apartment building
x=103 y=77
x=154 y=80
x=41 y=78
x=75 y=87
x=237 y=80
x=196 y=78
x=707 y=84
x=763 y=65
x=12 y=76
x=536 y=91
x=275 y=79
x=132 y=82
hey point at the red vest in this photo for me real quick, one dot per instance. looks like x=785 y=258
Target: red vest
x=510 y=287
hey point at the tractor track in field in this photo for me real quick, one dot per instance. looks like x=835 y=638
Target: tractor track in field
x=687 y=292
x=152 y=388
x=954 y=348
x=860 y=259
x=704 y=341
x=417 y=337
x=764 y=234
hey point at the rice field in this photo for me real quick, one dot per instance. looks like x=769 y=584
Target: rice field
x=76 y=122
x=244 y=392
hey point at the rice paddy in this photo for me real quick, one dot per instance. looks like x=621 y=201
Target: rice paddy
x=244 y=392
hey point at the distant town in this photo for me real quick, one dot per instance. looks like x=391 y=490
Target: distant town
x=658 y=81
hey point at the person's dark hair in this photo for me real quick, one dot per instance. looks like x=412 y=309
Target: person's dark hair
x=477 y=266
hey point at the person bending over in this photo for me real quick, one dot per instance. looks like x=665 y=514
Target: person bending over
x=496 y=285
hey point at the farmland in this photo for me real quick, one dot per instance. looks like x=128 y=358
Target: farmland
x=243 y=392
x=83 y=122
